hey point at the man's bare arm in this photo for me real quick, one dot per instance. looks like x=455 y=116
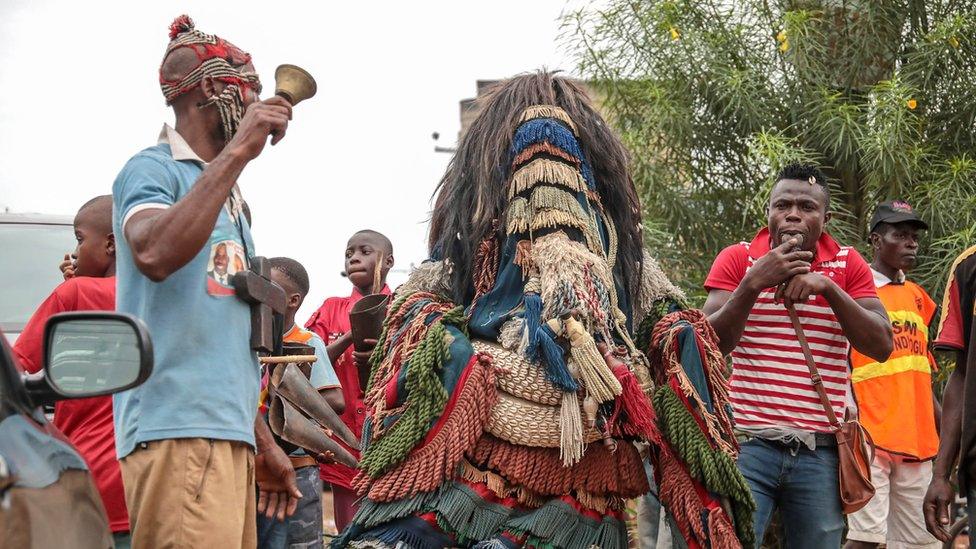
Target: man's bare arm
x=864 y=321
x=935 y=507
x=727 y=312
x=164 y=240
x=333 y=396
x=278 y=492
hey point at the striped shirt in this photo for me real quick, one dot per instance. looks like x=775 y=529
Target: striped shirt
x=770 y=386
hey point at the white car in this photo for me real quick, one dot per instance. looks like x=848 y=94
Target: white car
x=33 y=245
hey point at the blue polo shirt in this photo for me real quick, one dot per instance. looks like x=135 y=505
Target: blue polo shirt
x=206 y=378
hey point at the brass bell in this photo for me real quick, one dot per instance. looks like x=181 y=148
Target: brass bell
x=294 y=84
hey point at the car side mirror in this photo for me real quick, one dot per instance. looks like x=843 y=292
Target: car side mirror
x=89 y=354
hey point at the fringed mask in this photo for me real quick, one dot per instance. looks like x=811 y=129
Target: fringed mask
x=553 y=283
x=219 y=60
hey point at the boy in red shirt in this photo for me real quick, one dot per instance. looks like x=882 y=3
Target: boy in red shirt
x=331 y=322
x=89 y=286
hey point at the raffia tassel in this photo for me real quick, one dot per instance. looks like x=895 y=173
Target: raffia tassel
x=566 y=264
x=546 y=197
x=544 y=170
x=551 y=219
x=529 y=498
x=570 y=430
x=471 y=473
x=654 y=285
x=496 y=484
x=557 y=371
x=517 y=217
x=499 y=485
x=523 y=257
x=431 y=276
x=721 y=533
x=555 y=219
x=596 y=375
x=548 y=111
x=532 y=304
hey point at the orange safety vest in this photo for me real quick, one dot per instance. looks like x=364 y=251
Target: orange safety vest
x=895 y=397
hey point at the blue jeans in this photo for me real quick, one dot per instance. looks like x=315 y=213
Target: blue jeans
x=303 y=530
x=802 y=484
x=123 y=540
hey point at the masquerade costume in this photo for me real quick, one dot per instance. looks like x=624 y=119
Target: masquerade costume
x=218 y=59
x=508 y=419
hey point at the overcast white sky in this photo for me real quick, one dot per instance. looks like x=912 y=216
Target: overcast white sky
x=81 y=95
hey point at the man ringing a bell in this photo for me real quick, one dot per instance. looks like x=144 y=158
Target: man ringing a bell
x=188 y=441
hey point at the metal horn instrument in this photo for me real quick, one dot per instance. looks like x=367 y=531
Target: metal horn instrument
x=295 y=428
x=294 y=84
x=296 y=389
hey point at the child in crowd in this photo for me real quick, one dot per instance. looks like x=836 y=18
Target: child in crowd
x=89 y=286
x=304 y=528
x=367 y=253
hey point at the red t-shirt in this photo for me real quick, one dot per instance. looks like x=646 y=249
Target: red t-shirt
x=958 y=303
x=770 y=384
x=330 y=322
x=87 y=422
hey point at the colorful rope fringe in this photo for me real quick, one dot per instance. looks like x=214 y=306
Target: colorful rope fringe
x=456 y=432
x=414 y=339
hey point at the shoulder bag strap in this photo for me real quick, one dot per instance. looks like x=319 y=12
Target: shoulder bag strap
x=812 y=366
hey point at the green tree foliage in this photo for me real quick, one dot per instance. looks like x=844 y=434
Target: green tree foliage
x=713 y=96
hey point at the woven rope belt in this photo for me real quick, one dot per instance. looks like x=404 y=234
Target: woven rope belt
x=527 y=412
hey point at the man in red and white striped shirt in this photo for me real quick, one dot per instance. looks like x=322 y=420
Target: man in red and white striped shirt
x=790 y=455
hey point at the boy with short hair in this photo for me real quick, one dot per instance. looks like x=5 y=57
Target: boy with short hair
x=89 y=286
x=366 y=252
x=894 y=397
x=304 y=528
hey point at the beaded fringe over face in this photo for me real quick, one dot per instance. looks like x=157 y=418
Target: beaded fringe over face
x=569 y=289
x=219 y=60
x=545 y=460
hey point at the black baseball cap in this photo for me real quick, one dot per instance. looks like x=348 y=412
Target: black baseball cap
x=896 y=211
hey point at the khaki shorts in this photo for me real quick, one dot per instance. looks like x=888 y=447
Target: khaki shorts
x=190 y=492
x=894 y=514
